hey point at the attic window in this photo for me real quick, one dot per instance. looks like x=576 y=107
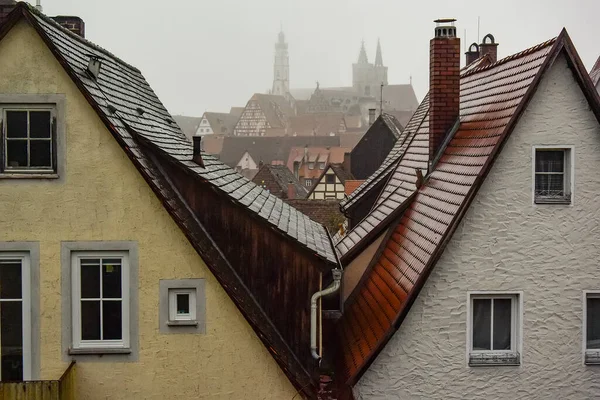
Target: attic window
x=94 y=66
x=552 y=170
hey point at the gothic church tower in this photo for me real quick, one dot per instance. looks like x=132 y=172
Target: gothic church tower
x=281 y=77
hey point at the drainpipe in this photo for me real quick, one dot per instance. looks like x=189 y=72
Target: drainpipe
x=335 y=285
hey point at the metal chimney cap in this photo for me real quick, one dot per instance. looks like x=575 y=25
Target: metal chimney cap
x=445 y=21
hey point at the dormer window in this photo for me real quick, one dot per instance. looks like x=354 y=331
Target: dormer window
x=29 y=139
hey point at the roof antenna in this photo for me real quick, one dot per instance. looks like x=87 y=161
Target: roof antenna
x=478 y=25
x=38 y=5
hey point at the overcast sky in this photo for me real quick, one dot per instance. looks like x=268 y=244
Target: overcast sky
x=202 y=55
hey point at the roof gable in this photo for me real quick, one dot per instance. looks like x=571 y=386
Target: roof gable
x=398 y=271
x=145 y=130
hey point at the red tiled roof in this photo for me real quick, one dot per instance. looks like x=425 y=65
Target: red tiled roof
x=351 y=185
x=492 y=99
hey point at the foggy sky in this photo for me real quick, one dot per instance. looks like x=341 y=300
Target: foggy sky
x=201 y=55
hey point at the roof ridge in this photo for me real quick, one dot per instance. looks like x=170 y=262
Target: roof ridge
x=515 y=56
x=75 y=36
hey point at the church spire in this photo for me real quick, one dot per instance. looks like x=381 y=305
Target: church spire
x=362 y=57
x=378 y=57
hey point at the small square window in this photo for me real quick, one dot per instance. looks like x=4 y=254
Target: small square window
x=592 y=328
x=308 y=182
x=552 y=181
x=29 y=139
x=330 y=179
x=493 y=335
x=182 y=305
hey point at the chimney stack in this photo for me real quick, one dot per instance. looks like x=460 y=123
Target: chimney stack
x=291 y=191
x=197 y=154
x=490 y=47
x=74 y=24
x=473 y=53
x=347 y=165
x=444 y=83
x=371 y=116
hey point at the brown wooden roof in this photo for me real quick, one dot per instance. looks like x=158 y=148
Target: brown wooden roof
x=492 y=100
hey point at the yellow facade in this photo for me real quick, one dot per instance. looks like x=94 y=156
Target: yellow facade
x=103 y=197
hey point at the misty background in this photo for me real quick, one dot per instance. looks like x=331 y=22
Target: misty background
x=201 y=55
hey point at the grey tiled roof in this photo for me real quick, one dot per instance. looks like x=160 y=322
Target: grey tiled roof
x=127 y=101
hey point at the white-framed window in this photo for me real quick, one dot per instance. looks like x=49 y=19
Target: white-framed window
x=553 y=174
x=15 y=322
x=591 y=327
x=100 y=299
x=182 y=304
x=308 y=182
x=28 y=138
x=494 y=328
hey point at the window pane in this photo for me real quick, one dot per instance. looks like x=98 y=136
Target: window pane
x=16 y=124
x=183 y=304
x=90 y=279
x=16 y=153
x=11 y=340
x=502 y=324
x=549 y=185
x=10 y=279
x=112 y=320
x=111 y=278
x=39 y=124
x=549 y=161
x=90 y=320
x=40 y=153
x=593 y=323
x=481 y=324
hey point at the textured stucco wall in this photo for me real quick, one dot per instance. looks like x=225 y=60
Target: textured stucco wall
x=549 y=252
x=103 y=197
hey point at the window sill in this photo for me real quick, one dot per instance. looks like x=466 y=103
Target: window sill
x=28 y=176
x=492 y=359
x=552 y=201
x=592 y=357
x=99 y=351
x=182 y=323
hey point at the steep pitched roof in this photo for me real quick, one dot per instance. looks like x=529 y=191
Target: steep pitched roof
x=283 y=176
x=221 y=123
x=269 y=149
x=492 y=100
x=341 y=173
x=189 y=125
x=399 y=97
x=116 y=95
x=317 y=124
x=276 y=108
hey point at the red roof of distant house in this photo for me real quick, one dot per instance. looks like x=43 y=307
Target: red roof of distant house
x=351 y=185
x=492 y=99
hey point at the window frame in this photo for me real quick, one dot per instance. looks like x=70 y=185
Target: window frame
x=512 y=357
x=55 y=102
x=77 y=342
x=167 y=325
x=173 y=315
x=4 y=109
x=308 y=182
x=568 y=178
x=590 y=356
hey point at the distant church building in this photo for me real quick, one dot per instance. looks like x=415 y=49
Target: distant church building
x=281 y=76
x=367 y=78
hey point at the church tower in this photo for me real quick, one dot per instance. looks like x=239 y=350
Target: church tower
x=281 y=77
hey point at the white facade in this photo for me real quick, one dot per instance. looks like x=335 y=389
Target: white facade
x=547 y=255
x=204 y=128
x=246 y=162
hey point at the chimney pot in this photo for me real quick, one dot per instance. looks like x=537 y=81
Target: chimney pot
x=444 y=83
x=197 y=154
x=490 y=47
x=371 y=116
x=473 y=53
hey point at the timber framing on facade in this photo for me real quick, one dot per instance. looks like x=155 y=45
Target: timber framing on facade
x=239 y=230
x=425 y=212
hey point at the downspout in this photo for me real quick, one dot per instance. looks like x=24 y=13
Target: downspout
x=335 y=285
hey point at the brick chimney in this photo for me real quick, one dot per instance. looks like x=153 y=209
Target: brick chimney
x=444 y=83
x=291 y=191
x=6 y=6
x=473 y=53
x=74 y=24
x=489 y=46
x=197 y=150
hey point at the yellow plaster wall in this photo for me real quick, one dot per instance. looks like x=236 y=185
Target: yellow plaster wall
x=103 y=197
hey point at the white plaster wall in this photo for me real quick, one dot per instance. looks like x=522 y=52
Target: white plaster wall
x=549 y=252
